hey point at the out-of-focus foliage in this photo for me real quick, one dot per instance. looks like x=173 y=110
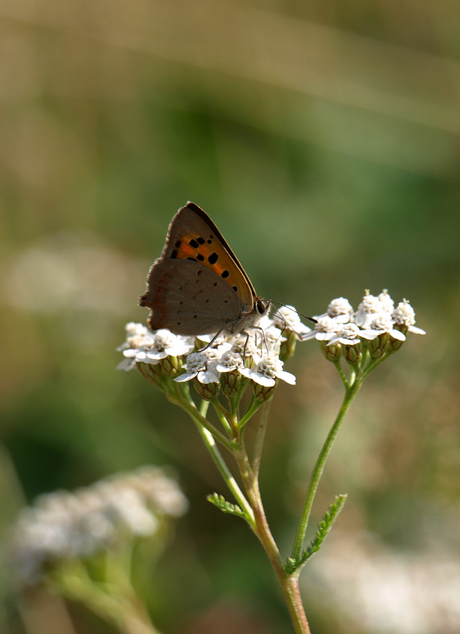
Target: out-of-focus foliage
x=323 y=139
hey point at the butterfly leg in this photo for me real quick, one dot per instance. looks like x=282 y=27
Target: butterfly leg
x=208 y=345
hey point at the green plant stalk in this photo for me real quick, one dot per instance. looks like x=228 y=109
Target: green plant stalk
x=319 y=467
x=255 y=513
x=222 y=466
x=189 y=406
x=289 y=583
x=114 y=604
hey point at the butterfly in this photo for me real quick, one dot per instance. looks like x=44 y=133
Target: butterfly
x=197 y=286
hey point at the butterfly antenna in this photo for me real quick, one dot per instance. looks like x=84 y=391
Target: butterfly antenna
x=312 y=319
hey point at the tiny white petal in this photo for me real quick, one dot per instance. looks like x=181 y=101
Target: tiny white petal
x=416 y=331
x=288 y=377
x=126 y=364
x=397 y=334
x=188 y=376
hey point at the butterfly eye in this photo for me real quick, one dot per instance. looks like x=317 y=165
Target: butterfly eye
x=262 y=306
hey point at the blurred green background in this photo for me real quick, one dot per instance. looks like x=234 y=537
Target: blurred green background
x=323 y=139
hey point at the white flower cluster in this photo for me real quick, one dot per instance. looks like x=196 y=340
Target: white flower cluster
x=261 y=348
x=375 y=316
x=64 y=525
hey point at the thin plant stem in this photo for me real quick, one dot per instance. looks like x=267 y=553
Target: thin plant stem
x=259 y=442
x=189 y=406
x=253 y=406
x=223 y=469
x=319 y=467
x=289 y=583
x=224 y=417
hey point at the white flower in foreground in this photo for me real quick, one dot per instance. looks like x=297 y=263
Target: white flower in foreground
x=325 y=328
x=165 y=344
x=221 y=342
x=404 y=315
x=138 y=341
x=267 y=369
x=348 y=335
x=340 y=310
x=382 y=324
x=287 y=318
x=143 y=346
x=386 y=303
x=246 y=345
x=201 y=365
x=230 y=361
x=368 y=310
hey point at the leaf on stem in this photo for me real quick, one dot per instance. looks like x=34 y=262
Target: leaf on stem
x=321 y=533
x=226 y=507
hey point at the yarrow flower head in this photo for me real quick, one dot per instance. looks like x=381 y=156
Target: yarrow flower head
x=64 y=525
x=376 y=327
x=143 y=346
x=210 y=359
x=267 y=369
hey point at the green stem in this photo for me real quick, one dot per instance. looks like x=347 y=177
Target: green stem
x=223 y=416
x=118 y=604
x=342 y=373
x=223 y=469
x=189 y=406
x=289 y=583
x=319 y=467
x=253 y=406
x=259 y=442
x=373 y=364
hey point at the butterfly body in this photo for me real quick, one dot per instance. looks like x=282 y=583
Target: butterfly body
x=197 y=286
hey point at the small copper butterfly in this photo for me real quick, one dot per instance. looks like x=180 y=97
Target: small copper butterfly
x=197 y=286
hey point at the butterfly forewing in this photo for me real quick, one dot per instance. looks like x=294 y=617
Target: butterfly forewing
x=198 y=286
x=192 y=236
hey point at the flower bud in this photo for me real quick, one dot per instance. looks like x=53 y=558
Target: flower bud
x=230 y=383
x=171 y=366
x=288 y=346
x=379 y=345
x=353 y=354
x=264 y=393
x=332 y=353
x=152 y=373
x=208 y=391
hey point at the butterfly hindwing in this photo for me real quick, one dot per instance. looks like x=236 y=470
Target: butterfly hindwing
x=188 y=298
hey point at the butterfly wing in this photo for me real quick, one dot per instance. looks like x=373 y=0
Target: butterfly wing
x=188 y=298
x=198 y=280
x=192 y=234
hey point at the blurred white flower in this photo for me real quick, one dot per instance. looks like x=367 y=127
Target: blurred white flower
x=385 y=591
x=65 y=525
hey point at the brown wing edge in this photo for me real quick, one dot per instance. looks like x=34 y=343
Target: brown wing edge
x=200 y=212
